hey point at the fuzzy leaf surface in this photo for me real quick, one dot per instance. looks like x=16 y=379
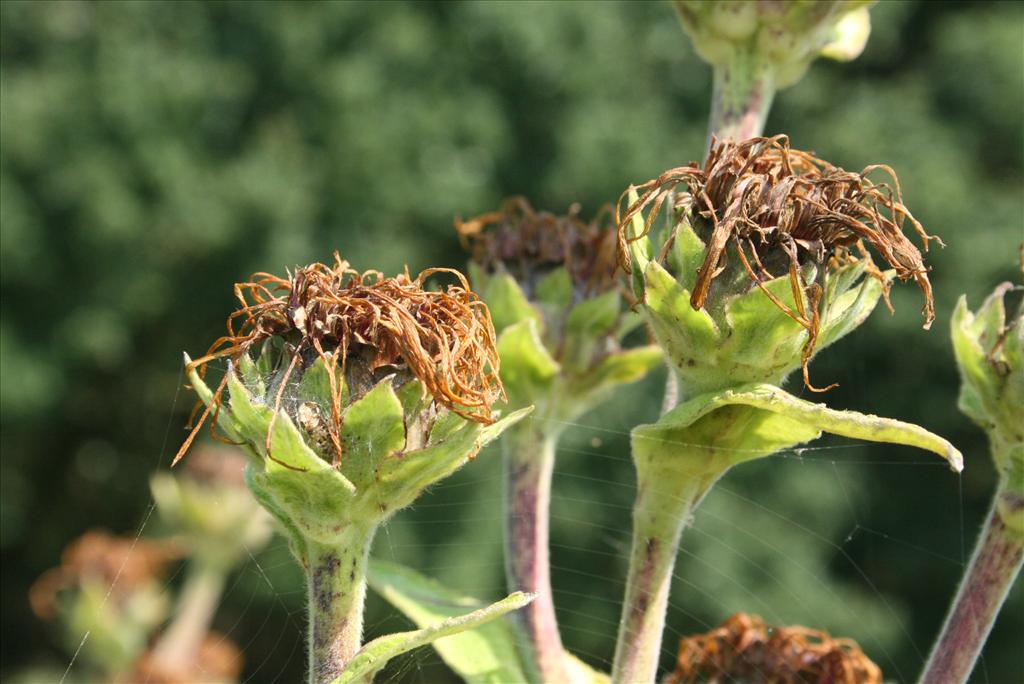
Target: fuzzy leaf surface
x=484 y=655
x=440 y=623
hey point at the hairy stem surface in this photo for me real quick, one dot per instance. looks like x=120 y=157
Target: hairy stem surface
x=179 y=645
x=660 y=513
x=529 y=462
x=336 y=582
x=995 y=564
x=741 y=96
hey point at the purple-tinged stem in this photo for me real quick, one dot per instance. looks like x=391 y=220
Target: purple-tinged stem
x=661 y=511
x=178 y=647
x=529 y=462
x=336 y=583
x=741 y=96
x=994 y=566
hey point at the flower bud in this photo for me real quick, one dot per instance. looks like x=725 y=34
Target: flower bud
x=990 y=354
x=780 y=36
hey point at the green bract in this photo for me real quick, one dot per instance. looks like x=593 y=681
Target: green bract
x=742 y=336
x=780 y=37
x=559 y=352
x=990 y=353
x=393 y=451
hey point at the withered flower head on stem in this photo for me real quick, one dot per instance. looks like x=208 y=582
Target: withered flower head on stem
x=744 y=648
x=758 y=211
x=366 y=327
x=530 y=244
x=552 y=284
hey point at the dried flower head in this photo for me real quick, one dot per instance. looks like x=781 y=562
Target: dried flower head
x=745 y=649
x=779 y=209
x=529 y=243
x=121 y=563
x=361 y=323
x=218 y=660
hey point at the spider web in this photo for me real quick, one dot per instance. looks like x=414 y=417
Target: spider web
x=793 y=538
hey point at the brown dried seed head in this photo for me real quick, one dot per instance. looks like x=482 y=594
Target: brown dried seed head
x=779 y=208
x=121 y=563
x=444 y=338
x=744 y=648
x=528 y=244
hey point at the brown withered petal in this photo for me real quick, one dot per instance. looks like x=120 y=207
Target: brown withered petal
x=122 y=563
x=444 y=338
x=769 y=200
x=528 y=243
x=744 y=648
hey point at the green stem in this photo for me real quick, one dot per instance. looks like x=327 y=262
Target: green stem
x=336 y=582
x=660 y=513
x=994 y=566
x=741 y=96
x=529 y=462
x=179 y=645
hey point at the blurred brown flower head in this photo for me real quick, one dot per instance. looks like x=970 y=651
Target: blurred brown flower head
x=745 y=649
x=529 y=244
x=122 y=564
x=367 y=327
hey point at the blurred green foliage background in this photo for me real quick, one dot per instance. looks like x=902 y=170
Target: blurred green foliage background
x=153 y=153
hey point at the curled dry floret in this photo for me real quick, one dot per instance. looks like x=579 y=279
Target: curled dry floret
x=444 y=338
x=744 y=648
x=780 y=208
x=528 y=244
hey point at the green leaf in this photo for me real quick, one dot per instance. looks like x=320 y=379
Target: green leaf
x=630 y=320
x=527 y=368
x=412 y=397
x=493 y=431
x=251 y=377
x=579 y=671
x=402 y=477
x=846 y=312
x=477 y=276
x=252 y=419
x=555 y=289
x=684 y=333
x=316 y=384
x=372 y=657
x=507 y=301
x=373 y=429
x=484 y=655
x=716 y=430
x=687 y=255
x=225 y=420
x=639 y=248
x=594 y=317
x=587 y=323
x=614 y=370
x=759 y=328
